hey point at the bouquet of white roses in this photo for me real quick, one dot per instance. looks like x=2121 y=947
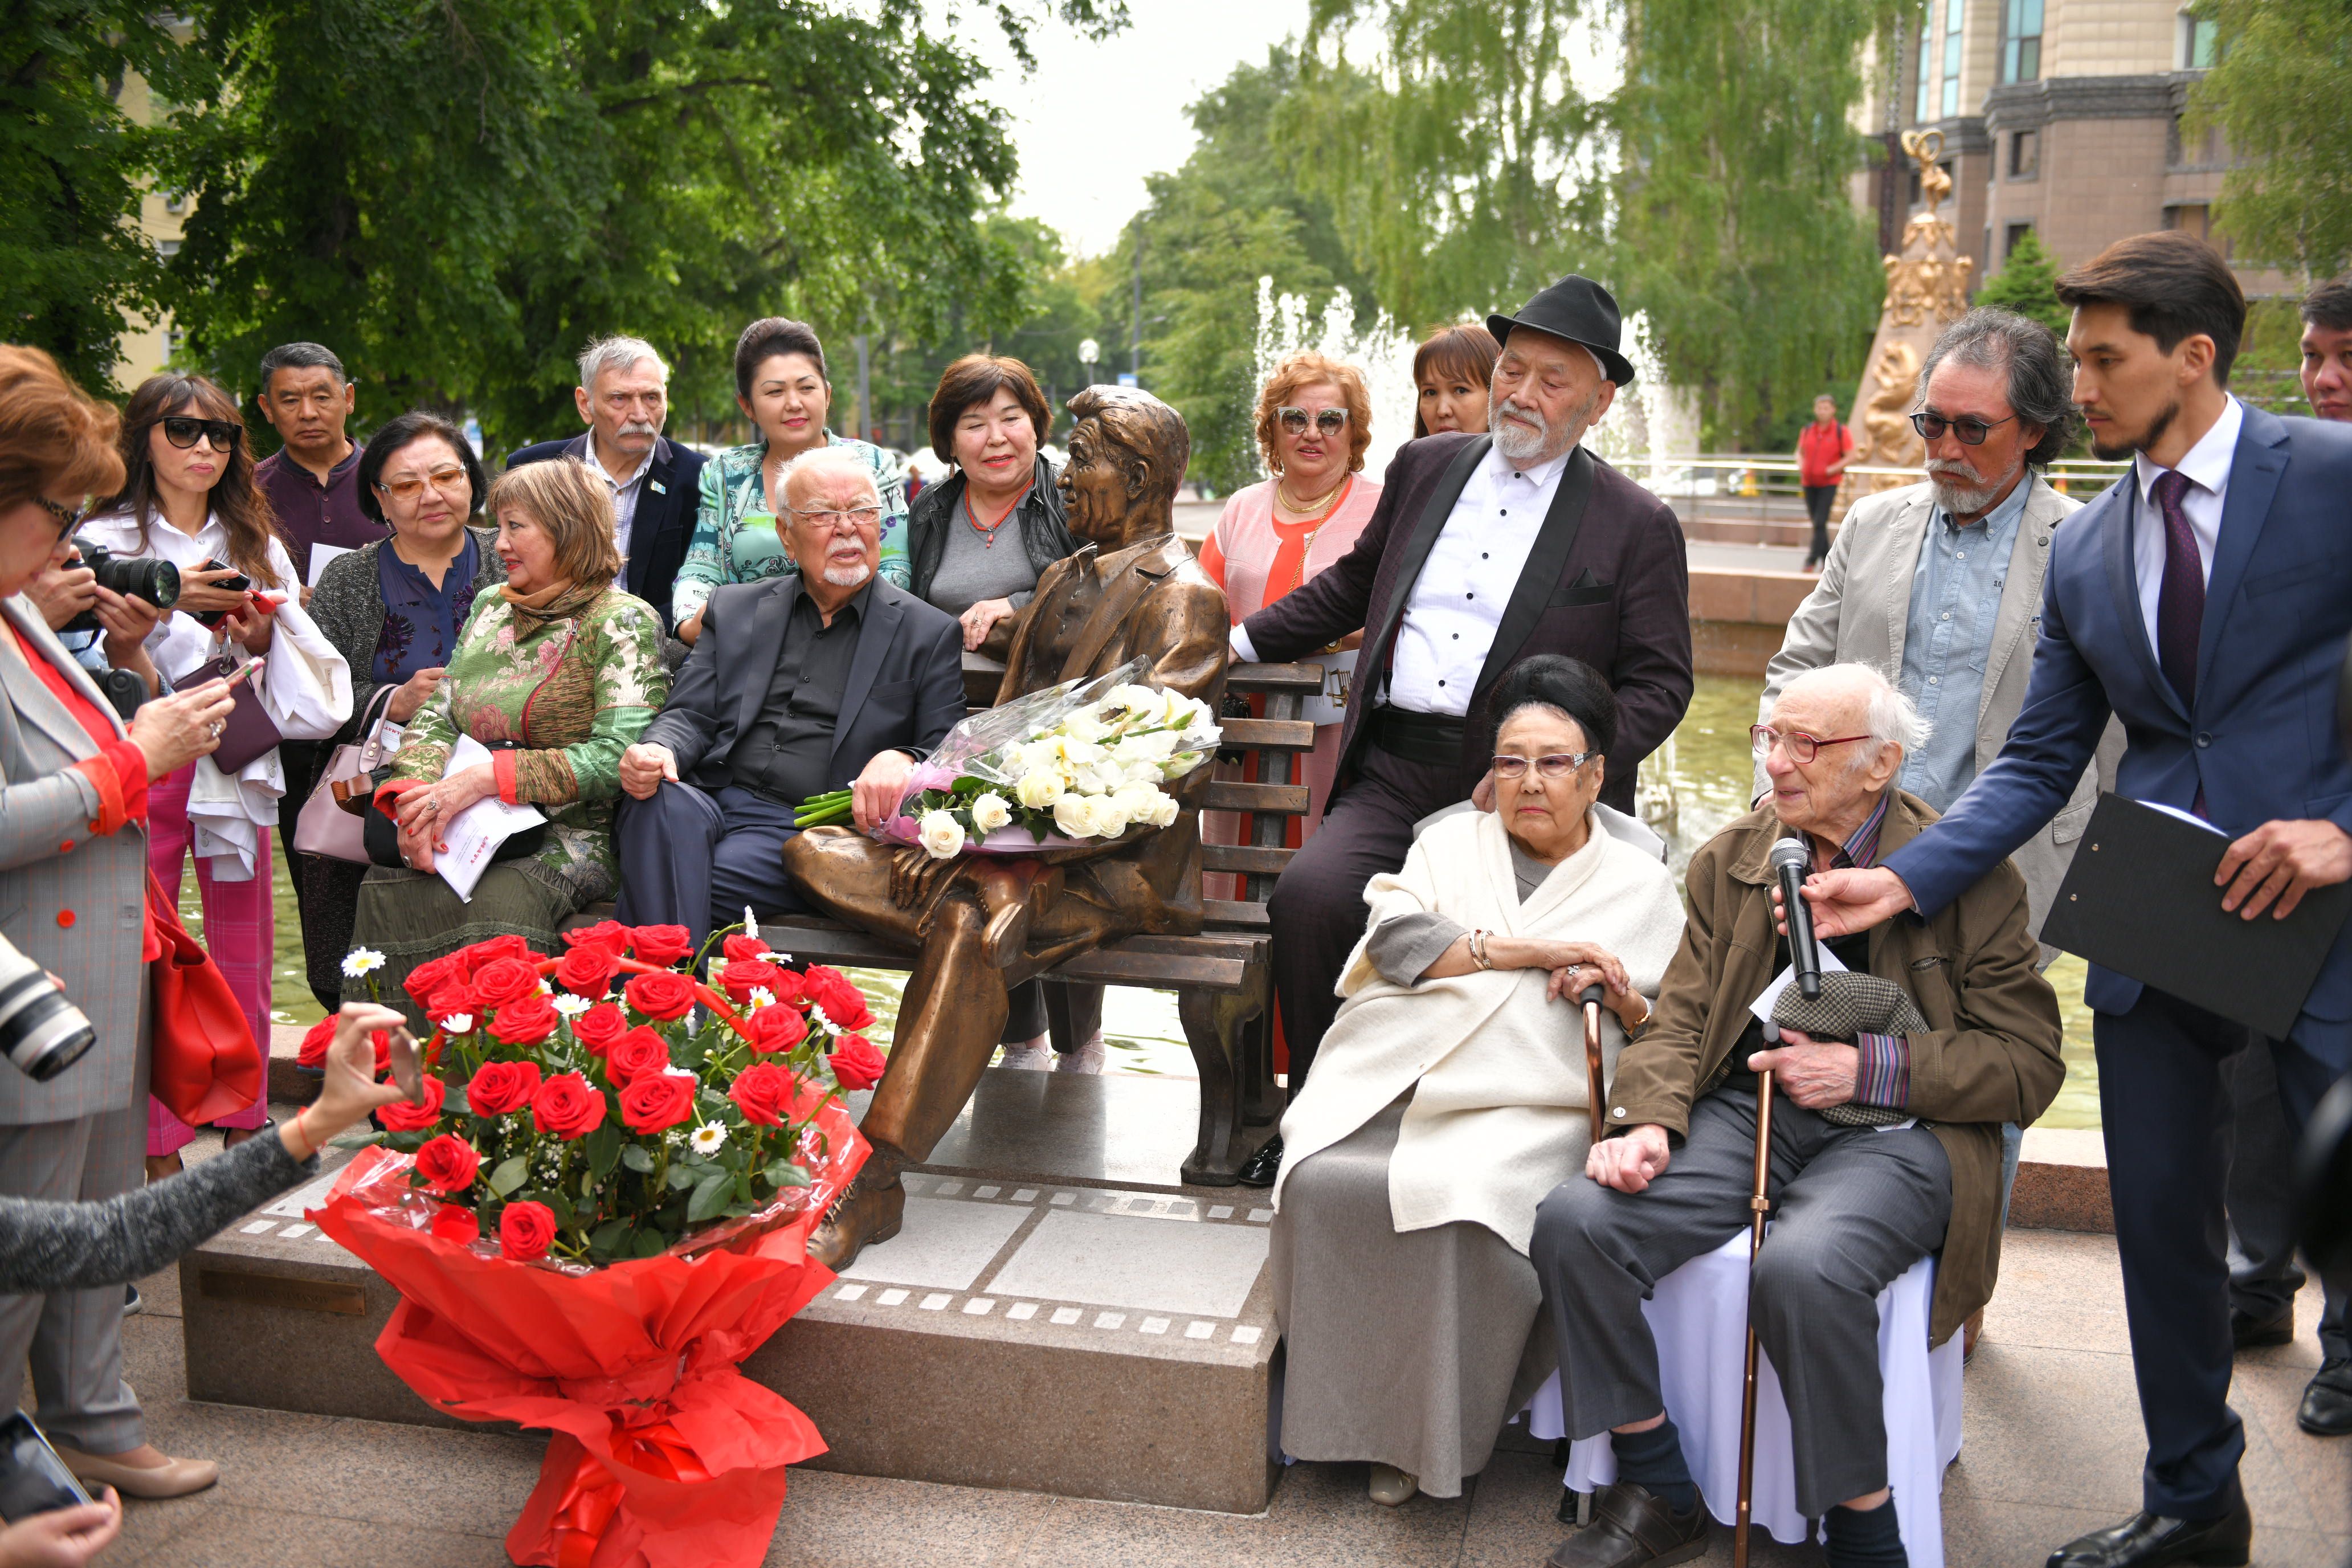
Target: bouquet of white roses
x=1084 y=761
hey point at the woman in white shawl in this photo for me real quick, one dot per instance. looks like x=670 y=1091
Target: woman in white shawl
x=1450 y=1096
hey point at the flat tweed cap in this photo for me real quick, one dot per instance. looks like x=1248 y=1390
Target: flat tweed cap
x=1851 y=1005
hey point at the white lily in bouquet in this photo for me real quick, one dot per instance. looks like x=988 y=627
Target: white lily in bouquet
x=1087 y=761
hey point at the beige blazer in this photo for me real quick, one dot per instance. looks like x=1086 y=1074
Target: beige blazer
x=1860 y=609
x=71 y=900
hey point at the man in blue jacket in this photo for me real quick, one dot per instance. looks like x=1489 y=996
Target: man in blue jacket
x=2205 y=601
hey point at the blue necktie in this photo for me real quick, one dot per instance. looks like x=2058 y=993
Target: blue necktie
x=2180 y=600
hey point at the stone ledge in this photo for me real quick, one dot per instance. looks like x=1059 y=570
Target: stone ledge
x=2062 y=1181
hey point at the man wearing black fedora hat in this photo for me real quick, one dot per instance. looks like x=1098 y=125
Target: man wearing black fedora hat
x=1484 y=550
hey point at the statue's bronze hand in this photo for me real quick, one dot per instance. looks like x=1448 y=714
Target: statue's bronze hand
x=915 y=876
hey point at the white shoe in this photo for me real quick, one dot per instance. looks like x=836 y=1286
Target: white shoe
x=1087 y=1058
x=1032 y=1055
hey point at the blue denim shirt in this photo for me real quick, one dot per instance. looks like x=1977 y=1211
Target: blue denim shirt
x=1954 y=599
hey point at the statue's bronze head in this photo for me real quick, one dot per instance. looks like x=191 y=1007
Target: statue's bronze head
x=1128 y=451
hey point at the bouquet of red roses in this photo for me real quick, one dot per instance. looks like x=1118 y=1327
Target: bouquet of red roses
x=600 y=1206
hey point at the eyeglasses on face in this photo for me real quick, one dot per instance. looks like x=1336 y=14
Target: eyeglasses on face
x=450 y=481
x=1554 y=765
x=182 y=430
x=1968 y=427
x=1329 y=421
x=68 y=517
x=1801 y=748
x=855 y=517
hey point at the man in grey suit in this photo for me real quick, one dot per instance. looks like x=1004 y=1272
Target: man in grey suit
x=1939 y=585
x=824 y=678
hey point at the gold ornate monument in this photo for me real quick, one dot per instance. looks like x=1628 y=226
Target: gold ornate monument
x=1926 y=288
x=983 y=925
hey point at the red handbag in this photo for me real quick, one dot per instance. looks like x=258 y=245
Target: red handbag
x=205 y=1062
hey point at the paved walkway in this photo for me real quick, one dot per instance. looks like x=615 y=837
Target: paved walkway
x=2053 y=1448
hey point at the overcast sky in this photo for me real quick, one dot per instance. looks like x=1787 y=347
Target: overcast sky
x=1095 y=119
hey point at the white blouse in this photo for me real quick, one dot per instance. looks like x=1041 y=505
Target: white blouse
x=180 y=642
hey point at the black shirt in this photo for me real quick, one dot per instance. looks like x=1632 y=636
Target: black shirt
x=787 y=753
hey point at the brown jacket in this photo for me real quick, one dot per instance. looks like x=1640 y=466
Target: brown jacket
x=1989 y=1054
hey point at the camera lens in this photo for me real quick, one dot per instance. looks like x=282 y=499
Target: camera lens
x=157 y=582
x=40 y=1031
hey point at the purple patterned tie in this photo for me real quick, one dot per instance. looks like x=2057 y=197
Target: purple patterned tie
x=2181 y=601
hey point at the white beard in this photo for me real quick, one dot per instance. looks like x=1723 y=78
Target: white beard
x=848 y=577
x=1960 y=500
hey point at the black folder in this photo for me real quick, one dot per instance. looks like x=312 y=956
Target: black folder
x=2139 y=900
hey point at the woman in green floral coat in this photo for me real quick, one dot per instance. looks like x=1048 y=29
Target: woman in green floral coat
x=557 y=673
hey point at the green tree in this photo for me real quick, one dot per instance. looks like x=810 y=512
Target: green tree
x=2277 y=94
x=74 y=168
x=456 y=193
x=2027 y=284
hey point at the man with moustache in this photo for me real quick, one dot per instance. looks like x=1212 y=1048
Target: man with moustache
x=2204 y=600
x=623 y=397
x=1485 y=549
x=2264 y=1278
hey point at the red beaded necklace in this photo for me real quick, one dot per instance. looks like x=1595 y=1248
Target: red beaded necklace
x=987 y=531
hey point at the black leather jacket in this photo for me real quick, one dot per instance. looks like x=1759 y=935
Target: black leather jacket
x=1044 y=532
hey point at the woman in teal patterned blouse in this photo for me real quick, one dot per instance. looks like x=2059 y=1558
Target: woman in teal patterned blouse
x=780 y=386
x=557 y=672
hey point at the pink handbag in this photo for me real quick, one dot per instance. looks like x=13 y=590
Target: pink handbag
x=325 y=826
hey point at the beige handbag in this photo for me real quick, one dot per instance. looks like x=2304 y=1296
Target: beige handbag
x=327 y=827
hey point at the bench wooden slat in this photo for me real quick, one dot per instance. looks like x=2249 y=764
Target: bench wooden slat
x=1244 y=857
x=1285 y=800
x=1231 y=912
x=1214 y=960
x=1305 y=679
x=1268 y=734
x=1110 y=966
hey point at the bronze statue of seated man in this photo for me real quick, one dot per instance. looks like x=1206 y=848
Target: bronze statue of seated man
x=981 y=924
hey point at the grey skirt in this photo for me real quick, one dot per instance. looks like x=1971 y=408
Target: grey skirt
x=412 y=917
x=1412 y=1350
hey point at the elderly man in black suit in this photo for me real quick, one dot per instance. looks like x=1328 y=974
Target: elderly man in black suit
x=623 y=397
x=1485 y=549
x=824 y=678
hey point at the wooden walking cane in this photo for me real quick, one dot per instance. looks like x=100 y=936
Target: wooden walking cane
x=1759 y=1205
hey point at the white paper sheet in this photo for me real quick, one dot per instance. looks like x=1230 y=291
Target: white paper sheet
x=1762 y=1005
x=2190 y=818
x=475 y=834
x=322 y=553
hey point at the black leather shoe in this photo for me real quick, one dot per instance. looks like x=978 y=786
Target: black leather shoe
x=2327 y=1409
x=1260 y=1169
x=2249 y=1333
x=2150 y=1539
x=1633 y=1527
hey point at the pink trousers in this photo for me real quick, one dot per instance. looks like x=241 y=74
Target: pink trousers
x=240 y=933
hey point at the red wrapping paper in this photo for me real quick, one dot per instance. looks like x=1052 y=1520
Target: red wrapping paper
x=664 y=1455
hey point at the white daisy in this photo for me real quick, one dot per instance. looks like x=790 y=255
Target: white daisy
x=458 y=1024
x=679 y=1072
x=362 y=962
x=708 y=1138
x=762 y=997
x=751 y=923
x=816 y=1017
x=773 y=956
x=571 y=1005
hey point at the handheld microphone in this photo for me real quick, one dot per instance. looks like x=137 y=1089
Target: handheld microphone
x=1788 y=860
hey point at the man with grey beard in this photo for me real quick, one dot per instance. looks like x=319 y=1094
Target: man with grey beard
x=1939 y=585
x=1485 y=549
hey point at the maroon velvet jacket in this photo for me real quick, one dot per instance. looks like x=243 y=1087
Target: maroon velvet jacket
x=1608 y=582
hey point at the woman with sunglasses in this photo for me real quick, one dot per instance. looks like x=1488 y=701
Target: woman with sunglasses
x=1314 y=422
x=394 y=609
x=1449 y=1098
x=189 y=497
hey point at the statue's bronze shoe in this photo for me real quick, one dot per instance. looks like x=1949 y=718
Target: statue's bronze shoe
x=870 y=1211
x=1008 y=934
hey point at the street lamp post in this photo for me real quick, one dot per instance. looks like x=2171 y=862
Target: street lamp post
x=1090 y=351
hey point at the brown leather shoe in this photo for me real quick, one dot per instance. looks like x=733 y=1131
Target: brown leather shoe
x=1633 y=1529
x=871 y=1210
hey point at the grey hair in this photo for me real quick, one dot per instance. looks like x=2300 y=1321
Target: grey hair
x=2040 y=380
x=301 y=356
x=1889 y=717
x=615 y=353
x=816 y=457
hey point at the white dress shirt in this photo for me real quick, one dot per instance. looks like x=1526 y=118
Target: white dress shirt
x=179 y=642
x=2207 y=468
x=1455 y=606
x=626 y=492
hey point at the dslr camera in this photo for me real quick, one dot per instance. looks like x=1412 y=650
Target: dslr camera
x=136 y=577
x=40 y=1031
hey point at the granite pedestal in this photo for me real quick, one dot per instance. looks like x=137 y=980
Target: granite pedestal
x=1059 y=1313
